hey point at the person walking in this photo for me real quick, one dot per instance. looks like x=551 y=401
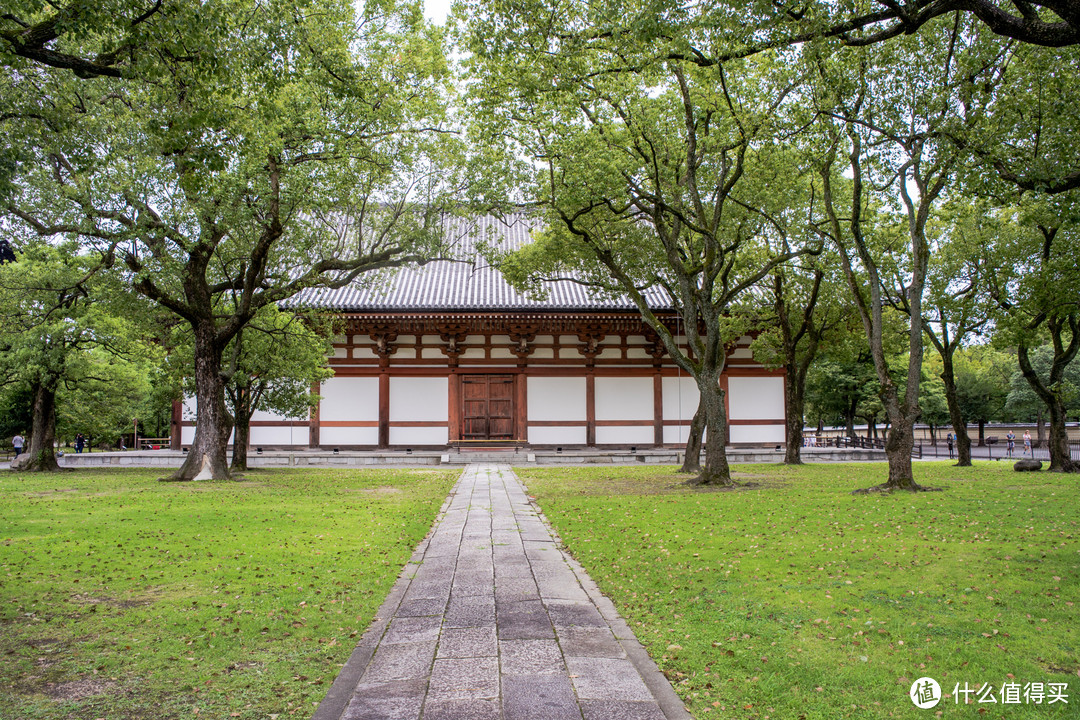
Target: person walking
x=18 y=442
x=80 y=442
x=1027 y=444
x=1011 y=438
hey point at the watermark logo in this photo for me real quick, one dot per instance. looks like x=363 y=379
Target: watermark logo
x=925 y=693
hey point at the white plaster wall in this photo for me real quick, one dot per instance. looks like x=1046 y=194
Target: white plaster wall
x=756 y=398
x=473 y=353
x=610 y=353
x=419 y=435
x=340 y=353
x=502 y=353
x=556 y=398
x=756 y=433
x=742 y=353
x=419 y=398
x=349 y=398
x=544 y=353
x=187 y=435
x=678 y=434
x=365 y=353
x=278 y=436
x=189 y=408
x=331 y=436
x=624 y=398
x=262 y=416
x=679 y=390
x=624 y=435
x=556 y=435
x=636 y=353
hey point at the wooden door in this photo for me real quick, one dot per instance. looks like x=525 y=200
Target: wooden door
x=487 y=407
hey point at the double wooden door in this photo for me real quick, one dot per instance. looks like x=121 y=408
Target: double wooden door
x=487 y=407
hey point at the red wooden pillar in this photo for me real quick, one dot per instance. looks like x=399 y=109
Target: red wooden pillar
x=658 y=409
x=384 y=409
x=176 y=427
x=590 y=409
x=455 y=406
x=521 y=411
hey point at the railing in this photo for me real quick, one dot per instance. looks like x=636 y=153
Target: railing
x=995 y=449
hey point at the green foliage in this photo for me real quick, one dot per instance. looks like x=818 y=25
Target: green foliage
x=1021 y=401
x=795 y=599
x=226 y=599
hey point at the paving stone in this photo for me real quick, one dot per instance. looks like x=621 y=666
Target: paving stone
x=589 y=642
x=462 y=710
x=472 y=582
x=571 y=613
x=471 y=611
x=468 y=642
x=379 y=701
x=618 y=710
x=412 y=629
x=464 y=679
x=526 y=620
x=418 y=607
x=531 y=657
x=404 y=661
x=561 y=589
x=514 y=589
x=538 y=697
x=513 y=568
x=606 y=679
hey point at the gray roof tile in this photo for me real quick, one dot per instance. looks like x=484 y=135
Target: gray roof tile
x=468 y=284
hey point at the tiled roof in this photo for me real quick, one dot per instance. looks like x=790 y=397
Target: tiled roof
x=469 y=283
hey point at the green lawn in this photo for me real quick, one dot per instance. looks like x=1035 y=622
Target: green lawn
x=793 y=599
x=122 y=597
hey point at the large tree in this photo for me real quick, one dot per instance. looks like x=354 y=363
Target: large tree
x=1037 y=287
x=261 y=150
x=655 y=175
x=888 y=109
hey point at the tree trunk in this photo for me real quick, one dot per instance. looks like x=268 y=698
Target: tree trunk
x=982 y=433
x=241 y=440
x=716 y=470
x=898 y=445
x=1040 y=429
x=795 y=405
x=40 y=453
x=849 y=420
x=207 y=457
x=692 y=458
x=956 y=417
x=1060 y=455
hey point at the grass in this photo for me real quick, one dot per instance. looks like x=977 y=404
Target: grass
x=123 y=598
x=794 y=599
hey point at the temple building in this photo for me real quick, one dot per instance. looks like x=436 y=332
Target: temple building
x=448 y=354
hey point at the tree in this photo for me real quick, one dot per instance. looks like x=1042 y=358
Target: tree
x=655 y=175
x=266 y=149
x=1037 y=287
x=888 y=111
x=806 y=311
x=957 y=305
x=273 y=365
x=51 y=319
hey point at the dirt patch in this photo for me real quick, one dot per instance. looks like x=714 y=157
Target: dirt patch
x=76 y=690
x=122 y=604
x=47 y=493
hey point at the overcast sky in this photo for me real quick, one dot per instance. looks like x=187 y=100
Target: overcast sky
x=437 y=10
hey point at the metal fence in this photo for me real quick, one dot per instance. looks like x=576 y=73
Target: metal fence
x=995 y=448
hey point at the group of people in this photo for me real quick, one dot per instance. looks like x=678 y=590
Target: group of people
x=19 y=443
x=1010 y=438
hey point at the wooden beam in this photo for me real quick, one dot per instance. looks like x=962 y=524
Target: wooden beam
x=521 y=416
x=175 y=429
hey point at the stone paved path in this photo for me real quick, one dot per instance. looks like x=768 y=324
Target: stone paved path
x=491 y=620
